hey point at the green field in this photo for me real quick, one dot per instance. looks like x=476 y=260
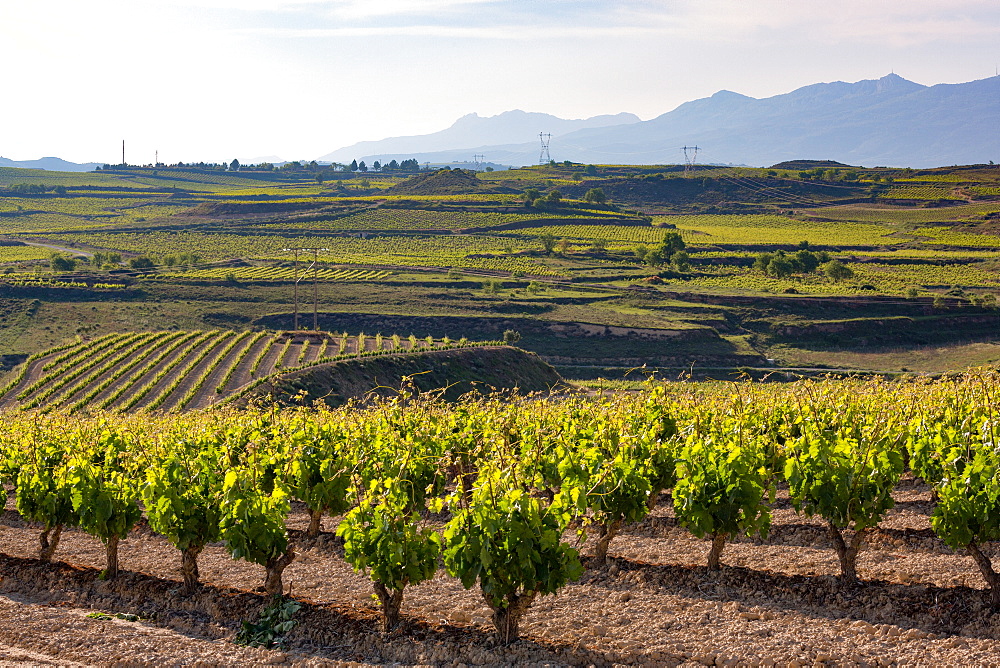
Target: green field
x=214 y=249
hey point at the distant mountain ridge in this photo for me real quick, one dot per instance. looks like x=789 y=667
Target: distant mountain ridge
x=473 y=130
x=888 y=121
x=51 y=164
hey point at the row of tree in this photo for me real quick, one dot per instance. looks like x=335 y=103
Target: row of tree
x=36 y=189
x=803 y=261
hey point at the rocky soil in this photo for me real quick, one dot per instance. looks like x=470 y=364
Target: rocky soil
x=775 y=602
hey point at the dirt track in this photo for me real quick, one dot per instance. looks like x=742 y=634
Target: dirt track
x=775 y=602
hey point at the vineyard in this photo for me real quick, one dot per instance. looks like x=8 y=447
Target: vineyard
x=744 y=523
x=920 y=192
x=273 y=274
x=178 y=370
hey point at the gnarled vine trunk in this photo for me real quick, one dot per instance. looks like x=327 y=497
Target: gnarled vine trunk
x=606 y=532
x=189 y=567
x=847 y=553
x=715 y=554
x=391 y=600
x=315 y=523
x=990 y=575
x=507 y=618
x=654 y=498
x=275 y=567
x=111 y=570
x=48 y=546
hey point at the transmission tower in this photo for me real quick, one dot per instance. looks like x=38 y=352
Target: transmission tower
x=544 y=158
x=477 y=160
x=690 y=159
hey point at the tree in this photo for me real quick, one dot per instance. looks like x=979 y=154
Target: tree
x=806 y=260
x=591 y=170
x=530 y=195
x=654 y=257
x=141 y=262
x=234 y=166
x=641 y=251
x=62 y=263
x=548 y=242
x=672 y=242
x=354 y=165
x=837 y=270
x=599 y=245
x=362 y=167
x=780 y=266
x=554 y=197
x=511 y=336
x=595 y=196
x=681 y=261
x=393 y=165
x=376 y=166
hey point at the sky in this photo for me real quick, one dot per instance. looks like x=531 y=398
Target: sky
x=213 y=80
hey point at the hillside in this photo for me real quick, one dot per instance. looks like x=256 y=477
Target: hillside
x=445 y=182
x=195 y=369
x=457 y=372
x=468 y=255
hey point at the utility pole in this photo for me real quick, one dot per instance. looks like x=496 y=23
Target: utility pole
x=315 y=276
x=690 y=160
x=295 y=265
x=545 y=138
x=123 y=152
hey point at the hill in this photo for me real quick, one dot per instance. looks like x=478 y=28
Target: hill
x=446 y=182
x=888 y=121
x=471 y=130
x=195 y=369
x=51 y=164
x=457 y=372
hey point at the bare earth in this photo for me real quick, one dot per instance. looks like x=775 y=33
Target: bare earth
x=776 y=602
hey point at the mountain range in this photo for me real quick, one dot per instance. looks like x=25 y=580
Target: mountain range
x=52 y=164
x=888 y=121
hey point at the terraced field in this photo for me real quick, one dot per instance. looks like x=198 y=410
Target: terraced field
x=178 y=370
x=273 y=274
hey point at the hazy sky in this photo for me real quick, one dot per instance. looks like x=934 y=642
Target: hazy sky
x=218 y=79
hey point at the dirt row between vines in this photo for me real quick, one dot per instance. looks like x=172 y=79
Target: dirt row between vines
x=775 y=602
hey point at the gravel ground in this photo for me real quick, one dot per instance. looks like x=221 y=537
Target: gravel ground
x=775 y=602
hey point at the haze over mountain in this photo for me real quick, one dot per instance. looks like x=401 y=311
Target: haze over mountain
x=472 y=130
x=54 y=164
x=888 y=121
